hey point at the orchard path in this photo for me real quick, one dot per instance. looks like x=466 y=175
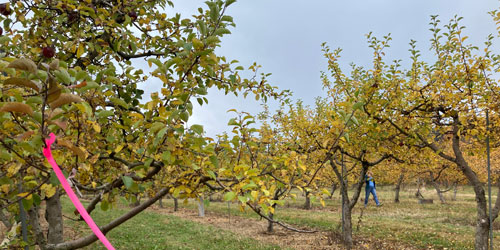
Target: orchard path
x=286 y=239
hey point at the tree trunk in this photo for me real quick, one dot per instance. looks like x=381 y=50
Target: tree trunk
x=348 y=204
x=455 y=189
x=307 y=204
x=438 y=191
x=201 y=207
x=346 y=223
x=53 y=215
x=334 y=187
x=482 y=224
x=482 y=234
x=270 y=224
x=160 y=201
x=398 y=187
x=34 y=221
x=436 y=186
x=418 y=194
x=176 y=205
x=5 y=220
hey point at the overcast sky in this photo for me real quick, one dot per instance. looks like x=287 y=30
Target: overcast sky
x=285 y=37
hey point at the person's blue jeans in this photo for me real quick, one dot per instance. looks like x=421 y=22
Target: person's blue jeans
x=374 y=193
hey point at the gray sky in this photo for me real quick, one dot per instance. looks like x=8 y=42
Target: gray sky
x=284 y=36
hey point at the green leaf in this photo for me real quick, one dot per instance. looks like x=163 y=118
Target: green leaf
x=358 y=105
x=222 y=31
x=212 y=174
x=127 y=181
x=214 y=161
x=90 y=85
x=53 y=178
x=63 y=76
x=229 y=196
x=243 y=199
x=214 y=12
x=184 y=116
x=167 y=156
x=104 y=205
x=27 y=204
x=346 y=136
x=104 y=114
x=232 y=122
x=159 y=136
x=229 y=2
x=119 y=102
x=156 y=126
x=249 y=186
x=36 y=199
x=197 y=129
x=233 y=79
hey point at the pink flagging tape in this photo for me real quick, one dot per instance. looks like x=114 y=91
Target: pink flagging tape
x=48 y=154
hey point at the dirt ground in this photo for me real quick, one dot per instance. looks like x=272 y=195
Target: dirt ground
x=256 y=229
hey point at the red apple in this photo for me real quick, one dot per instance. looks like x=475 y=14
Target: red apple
x=48 y=52
x=132 y=15
x=5 y=9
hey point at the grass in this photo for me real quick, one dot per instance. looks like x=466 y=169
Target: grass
x=150 y=230
x=437 y=226
x=442 y=226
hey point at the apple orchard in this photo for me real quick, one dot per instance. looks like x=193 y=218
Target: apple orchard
x=70 y=68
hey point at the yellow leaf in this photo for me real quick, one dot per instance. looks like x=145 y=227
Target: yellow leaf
x=136 y=115
x=96 y=127
x=22 y=194
x=81 y=49
x=119 y=148
x=325 y=143
x=322 y=202
x=73 y=48
x=49 y=190
x=325 y=191
x=197 y=44
x=303 y=167
x=255 y=195
x=94 y=158
x=5 y=188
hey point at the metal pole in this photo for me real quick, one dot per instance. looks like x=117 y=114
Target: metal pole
x=229 y=211
x=489 y=175
x=24 y=227
x=342 y=189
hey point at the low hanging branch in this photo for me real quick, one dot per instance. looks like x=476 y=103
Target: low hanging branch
x=85 y=241
x=257 y=210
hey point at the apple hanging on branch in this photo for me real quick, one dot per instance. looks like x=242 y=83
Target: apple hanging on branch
x=48 y=52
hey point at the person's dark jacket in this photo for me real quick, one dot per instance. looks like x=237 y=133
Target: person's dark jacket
x=367 y=181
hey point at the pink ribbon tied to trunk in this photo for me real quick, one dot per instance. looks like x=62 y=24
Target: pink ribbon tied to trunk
x=78 y=205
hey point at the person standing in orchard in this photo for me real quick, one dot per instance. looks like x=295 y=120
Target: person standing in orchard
x=370 y=188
